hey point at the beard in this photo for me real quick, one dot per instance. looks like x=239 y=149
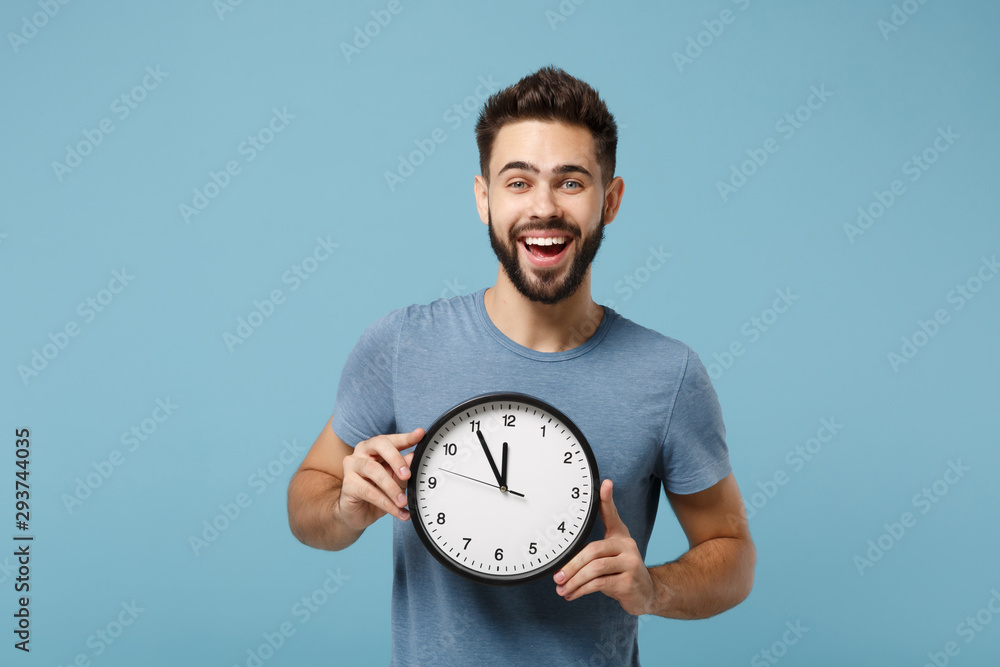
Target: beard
x=545 y=285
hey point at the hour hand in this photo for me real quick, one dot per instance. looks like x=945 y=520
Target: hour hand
x=489 y=457
x=503 y=467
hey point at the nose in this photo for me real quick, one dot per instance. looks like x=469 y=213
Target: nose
x=544 y=205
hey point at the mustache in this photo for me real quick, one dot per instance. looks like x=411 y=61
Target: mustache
x=556 y=225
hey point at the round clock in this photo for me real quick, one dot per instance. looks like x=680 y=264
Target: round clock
x=504 y=489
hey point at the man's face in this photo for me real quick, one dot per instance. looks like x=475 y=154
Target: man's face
x=544 y=207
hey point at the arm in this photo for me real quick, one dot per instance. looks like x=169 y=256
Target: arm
x=338 y=491
x=715 y=574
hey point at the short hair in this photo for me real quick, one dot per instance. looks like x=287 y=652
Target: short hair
x=550 y=94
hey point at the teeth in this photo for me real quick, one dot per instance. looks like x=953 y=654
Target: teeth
x=545 y=240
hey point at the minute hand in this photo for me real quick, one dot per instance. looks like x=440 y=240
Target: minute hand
x=489 y=457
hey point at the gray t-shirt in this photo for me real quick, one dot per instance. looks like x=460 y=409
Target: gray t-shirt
x=643 y=401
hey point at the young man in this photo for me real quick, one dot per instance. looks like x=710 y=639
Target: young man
x=546 y=190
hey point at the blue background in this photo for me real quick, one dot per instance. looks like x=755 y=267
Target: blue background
x=684 y=127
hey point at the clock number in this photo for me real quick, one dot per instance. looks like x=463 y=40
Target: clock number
x=568 y=458
x=533 y=548
x=561 y=528
x=543 y=430
x=432 y=482
x=508 y=420
x=475 y=425
x=450 y=449
x=498 y=554
x=576 y=491
x=467 y=540
x=440 y=517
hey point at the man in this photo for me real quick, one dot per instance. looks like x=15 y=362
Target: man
x=644 y=401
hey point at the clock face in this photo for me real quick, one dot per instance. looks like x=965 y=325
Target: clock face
x=504 y=489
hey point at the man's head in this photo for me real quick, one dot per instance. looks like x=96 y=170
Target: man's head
x=547 y=188
x=550 y=94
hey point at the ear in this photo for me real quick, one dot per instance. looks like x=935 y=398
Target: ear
x=613 y=198
x=482 y=199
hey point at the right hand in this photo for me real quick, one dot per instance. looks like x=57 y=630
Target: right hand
x=375 y=477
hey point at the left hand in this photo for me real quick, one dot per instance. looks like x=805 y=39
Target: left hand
x=612 y=566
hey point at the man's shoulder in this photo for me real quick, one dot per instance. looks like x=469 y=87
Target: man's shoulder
x=642 y=339
x=443 y=311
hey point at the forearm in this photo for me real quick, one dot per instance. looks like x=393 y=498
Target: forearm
x=314 y=511
x=712 y=577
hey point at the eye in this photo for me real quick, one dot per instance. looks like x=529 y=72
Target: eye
x=517 y=185
x=573 y=185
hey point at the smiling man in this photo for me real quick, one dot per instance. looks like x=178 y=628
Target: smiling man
x=546 y=191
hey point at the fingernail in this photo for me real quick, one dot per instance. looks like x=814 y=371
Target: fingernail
x=560 y=577
x=401 y=499
x=560 y=590
x=404 y=514
x=404 y=471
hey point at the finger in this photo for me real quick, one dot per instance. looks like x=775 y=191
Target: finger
x=388 y=448
x=605 y=558
x=590 y=553
x=613 y=524
x=396 y=474
x=358 y=491
x=370 y=477
x=604 y=585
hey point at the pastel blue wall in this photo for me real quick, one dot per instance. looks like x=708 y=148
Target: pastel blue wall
x=751 y=134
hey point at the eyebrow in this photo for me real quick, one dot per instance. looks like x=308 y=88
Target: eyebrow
x=561 y=169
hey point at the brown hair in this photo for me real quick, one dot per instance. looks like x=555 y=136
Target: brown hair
x=550 y=94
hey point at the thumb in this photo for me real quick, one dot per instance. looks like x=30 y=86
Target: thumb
x=613 y=524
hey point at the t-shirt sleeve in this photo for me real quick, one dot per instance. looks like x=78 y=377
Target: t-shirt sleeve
x=695 y=455
x=365 y=404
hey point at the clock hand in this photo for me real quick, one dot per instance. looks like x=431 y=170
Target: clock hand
x=503 y=467
x=452 y=472
x=489 y=457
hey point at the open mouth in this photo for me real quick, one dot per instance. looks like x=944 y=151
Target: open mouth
x=545 y=248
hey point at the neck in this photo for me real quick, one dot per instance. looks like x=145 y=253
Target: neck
x=543 y=327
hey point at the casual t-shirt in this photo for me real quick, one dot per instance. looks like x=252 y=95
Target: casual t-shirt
x=643 y=401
